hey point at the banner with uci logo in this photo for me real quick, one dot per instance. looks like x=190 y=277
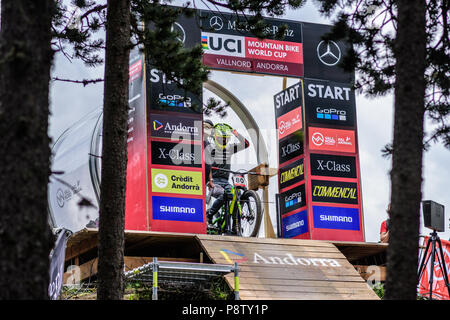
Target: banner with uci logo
x=228 y=45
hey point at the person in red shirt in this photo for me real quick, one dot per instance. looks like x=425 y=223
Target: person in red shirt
x=384 y=230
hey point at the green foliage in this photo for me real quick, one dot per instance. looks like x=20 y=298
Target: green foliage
x=379 y=290
x=161 y=47
x=216 y=289
x=74 y=30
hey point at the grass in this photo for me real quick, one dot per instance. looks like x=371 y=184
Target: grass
x=216 y=289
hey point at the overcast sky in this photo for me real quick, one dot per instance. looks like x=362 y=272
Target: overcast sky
x=70 y=102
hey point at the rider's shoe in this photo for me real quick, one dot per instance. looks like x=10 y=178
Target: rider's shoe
x=209 y=216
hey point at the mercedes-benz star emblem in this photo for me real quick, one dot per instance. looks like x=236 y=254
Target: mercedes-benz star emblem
x=179 y=29
x=328 y=53
x=216 y=23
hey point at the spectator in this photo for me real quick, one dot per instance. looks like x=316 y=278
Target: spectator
x=384 y=231
x=208 y=127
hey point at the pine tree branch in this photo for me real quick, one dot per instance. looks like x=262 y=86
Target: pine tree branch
x=84 y=82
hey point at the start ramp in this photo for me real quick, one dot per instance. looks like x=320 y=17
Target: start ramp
x=287 y=269
x=269 y=269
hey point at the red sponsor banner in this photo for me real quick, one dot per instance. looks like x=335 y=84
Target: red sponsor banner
x=273 y=50
x=248 y=54
x=439 y=289
x=246 y=65
x=289 y=123
x=332 y=140
x=135 y=70
x=136 y=193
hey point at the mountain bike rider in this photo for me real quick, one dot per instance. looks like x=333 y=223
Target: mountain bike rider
x=221 y=148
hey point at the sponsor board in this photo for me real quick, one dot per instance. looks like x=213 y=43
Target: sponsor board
x=329 y=103
x=176 y=154
x=333 y=166
x=164 y=94
x=291 y=174
x=289 y=123
x=293 y=199
x=336 y=218
x=135 y=70
x=229 y=45
x=290 y=147
x=332 y=140
x=175 y=126
x=322 y=58
x=295 y=224
x=288 y=99
x=177 y=209
x=177 y=181
x=233 y=24
x=252 y=66
x=334 y=192
x=136 y=190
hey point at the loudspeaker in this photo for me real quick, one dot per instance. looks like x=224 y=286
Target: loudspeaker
x=433 y=215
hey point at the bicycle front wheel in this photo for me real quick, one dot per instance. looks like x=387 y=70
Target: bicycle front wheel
x=251 y=214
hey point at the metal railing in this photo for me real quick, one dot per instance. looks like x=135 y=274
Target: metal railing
x=181 y=271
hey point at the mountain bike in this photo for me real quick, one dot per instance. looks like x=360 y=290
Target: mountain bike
x=241 y=213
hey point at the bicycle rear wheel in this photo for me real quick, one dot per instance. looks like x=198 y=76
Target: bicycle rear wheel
x=251 y=214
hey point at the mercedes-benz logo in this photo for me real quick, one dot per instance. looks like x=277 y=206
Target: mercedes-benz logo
x=328 y=53
x=181 y=33
x=216 y=23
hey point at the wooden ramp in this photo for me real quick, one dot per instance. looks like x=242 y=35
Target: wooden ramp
x=269 y=268
x=287 y=269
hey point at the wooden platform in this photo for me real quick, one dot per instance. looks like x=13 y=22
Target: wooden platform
x=288 y=269
x=269 y=268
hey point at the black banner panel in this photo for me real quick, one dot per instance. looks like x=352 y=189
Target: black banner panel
x=322 y=58
x=166 y=95
x=177 y=127
x=236 y=25
x=291 y=174
x=290 y=147
x=288 y=99
x=334 y=192
x=333 y=166
x=176 y=154
x=292 y=199
x=329 y=103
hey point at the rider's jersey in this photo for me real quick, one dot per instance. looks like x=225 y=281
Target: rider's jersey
x=221 y=158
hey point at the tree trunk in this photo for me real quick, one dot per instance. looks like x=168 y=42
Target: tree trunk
x=25 y=62
x=406 y=174
x=114 y=155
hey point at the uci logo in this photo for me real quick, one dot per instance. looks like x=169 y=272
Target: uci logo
x=223 y=44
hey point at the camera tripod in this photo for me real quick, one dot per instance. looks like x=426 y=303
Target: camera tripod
x=434 y=241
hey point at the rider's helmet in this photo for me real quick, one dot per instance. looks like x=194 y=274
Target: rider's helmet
x=222 y=133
